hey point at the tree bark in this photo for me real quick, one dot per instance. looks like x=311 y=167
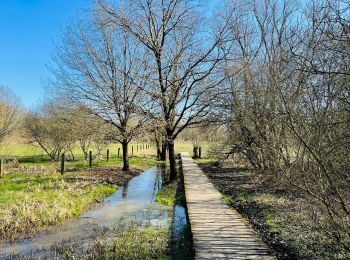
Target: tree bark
x=172 y=162
x=159 y=145
x=125 y=156
x=163 y=151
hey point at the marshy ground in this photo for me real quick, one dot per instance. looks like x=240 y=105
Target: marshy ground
x=35 y=198
x=34 y=195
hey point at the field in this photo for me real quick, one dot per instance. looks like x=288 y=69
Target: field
x=31 y=152
x=34 y=195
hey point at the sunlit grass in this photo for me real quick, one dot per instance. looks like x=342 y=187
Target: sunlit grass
x=36 y=195
x=166 y=195
x=29 y=201
x=140 y=243
x=33 y=151
x=271 y=222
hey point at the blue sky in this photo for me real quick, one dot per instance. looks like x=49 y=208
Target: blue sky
x=28 y=31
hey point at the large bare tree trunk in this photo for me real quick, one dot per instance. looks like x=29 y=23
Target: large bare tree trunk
x=125 y=156
x=163 y=151
x=172 y=162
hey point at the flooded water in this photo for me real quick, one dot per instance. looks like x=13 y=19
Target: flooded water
x=135 y=201
x=181 y=236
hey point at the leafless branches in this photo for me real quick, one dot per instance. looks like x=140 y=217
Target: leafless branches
x=289 y=105
x=185 y=58
x=9 y=112
x=101 y=67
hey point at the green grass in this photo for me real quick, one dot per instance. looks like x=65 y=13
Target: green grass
x=20 y=150
x=30 y=201
x=34 y=153
x=203 y=161
x=167 y=195
x=227 y=199
x=30 y=154
x=271 y=223
x=242 y=195
x=138 y=243
x=188 y=147
x=138 y=162
x=36 y=195
x=123 y=242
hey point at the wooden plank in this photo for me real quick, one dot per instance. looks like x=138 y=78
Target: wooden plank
x=218 y=231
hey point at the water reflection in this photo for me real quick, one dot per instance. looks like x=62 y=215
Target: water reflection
x=125 y=190
x=135 y=201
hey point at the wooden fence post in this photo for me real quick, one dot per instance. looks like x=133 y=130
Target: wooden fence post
x=107 y=155
x=199 y=152
x=90 y=159
x=1 y=168
x=118 y=152
x=132 y=149
x=195 y=152
x=62 y=164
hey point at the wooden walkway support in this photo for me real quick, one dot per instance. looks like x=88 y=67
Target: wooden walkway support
x=218 y=231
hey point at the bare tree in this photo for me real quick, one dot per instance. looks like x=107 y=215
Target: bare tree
x=185 y=58
x=9 y=112
x=101 y=67
x=289 y=106
x=45 y=128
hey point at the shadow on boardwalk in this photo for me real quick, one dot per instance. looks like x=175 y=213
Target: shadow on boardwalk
x=218 y=231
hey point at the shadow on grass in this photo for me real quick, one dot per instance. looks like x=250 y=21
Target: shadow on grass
x=35 y=159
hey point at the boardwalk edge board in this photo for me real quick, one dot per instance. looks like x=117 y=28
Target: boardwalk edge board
x=218 y=231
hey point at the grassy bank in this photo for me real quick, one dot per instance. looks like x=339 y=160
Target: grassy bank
x=283 y=218
x=167 y=195
x=125 y=242
x=134 y=241
x=33 y=195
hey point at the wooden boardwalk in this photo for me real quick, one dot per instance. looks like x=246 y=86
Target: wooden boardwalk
x=218 y=231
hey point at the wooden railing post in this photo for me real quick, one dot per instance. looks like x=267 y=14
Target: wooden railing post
x=62 y=164
x=1 y=168
x=107 y=155
x=195 y=152
x=90 y=159
x=118 y=152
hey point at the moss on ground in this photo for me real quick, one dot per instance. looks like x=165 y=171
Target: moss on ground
x=167 y=195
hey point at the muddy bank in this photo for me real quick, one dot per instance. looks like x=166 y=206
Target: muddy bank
x=109 y=174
